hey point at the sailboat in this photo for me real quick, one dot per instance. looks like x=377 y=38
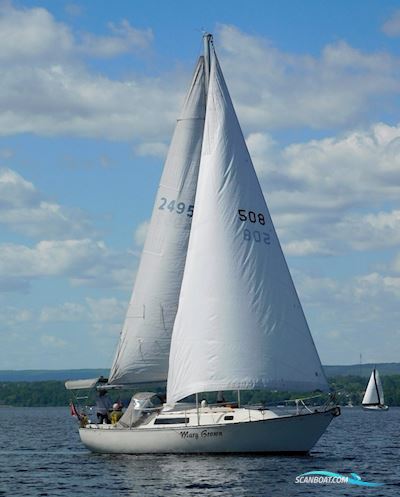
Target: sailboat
x=373 y=398
x=214 y=308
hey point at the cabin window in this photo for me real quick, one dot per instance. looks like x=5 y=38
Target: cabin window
x=228 y=418
x=171 y=421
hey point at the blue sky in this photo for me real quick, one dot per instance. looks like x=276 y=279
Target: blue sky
x=89 y=92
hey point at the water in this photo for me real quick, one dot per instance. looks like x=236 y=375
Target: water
x=41 y=455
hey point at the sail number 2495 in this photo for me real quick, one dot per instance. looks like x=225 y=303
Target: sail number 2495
x=254 y=235
x=175 y=206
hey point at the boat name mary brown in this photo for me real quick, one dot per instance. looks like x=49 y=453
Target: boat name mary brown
x=203 y=434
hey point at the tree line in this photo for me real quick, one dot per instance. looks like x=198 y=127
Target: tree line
x=349 y=390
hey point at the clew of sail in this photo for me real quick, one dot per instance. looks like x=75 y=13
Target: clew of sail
x=143 y=351
x=240 y=324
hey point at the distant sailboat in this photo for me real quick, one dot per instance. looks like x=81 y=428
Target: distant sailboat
x=214 y=307
x=373 y=397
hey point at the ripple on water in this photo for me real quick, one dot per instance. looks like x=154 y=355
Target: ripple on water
x=41 y=454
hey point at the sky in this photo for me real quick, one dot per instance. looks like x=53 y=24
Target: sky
x=89 y=94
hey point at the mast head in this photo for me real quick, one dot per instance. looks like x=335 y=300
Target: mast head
x=207 y=37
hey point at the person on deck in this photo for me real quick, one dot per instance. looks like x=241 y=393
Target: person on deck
x=103 y=404
x=116 y=413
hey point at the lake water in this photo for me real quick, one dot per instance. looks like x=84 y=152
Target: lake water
x=41 y=455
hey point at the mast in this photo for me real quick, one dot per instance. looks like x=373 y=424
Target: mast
x=207 y=41
x=376 y=387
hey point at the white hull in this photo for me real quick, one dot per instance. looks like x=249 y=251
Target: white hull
x=285 y=434
x=376 y=408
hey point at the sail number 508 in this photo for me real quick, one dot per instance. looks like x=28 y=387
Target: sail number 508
x=250 y=235
x=251 y=216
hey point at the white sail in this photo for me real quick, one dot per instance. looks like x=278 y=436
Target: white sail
x=379 y=387
x=239 y=324
x=143 y=351
x=374 y=392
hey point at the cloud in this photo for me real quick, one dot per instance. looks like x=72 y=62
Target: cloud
x=124 y=39
x=69 y=100
x=371 y=231
x=104 y=315
x=67 y=312
x=355 y=315
x=275 y=89
x=263 y=150
x=83 y=262
x=336 y=193
x=392 y=26
x=71 y=327
x=141 y=233
x=305 y=247
x=23 y=209
x=51 y=341
x=152 y=149
x=33 y=33
x=46 y=88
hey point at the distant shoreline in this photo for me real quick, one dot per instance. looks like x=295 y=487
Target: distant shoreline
x=363 y=370
x=349 y=391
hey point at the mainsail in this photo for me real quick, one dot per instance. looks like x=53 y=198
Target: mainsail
x=143 y=351
x=374 y=392
x=240 y=324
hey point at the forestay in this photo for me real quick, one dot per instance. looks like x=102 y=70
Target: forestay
x=239 y=324
x=143 y=351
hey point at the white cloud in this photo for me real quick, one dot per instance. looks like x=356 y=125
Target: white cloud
x=371 y=231
x=51 y=341
x=71 y=327
x=83 y=262
x=23 y=209
x=106 y=309
x=141 y=233
x=104 y=315
x=263 y=150
x=375 y=285
x=321 y=193
x=271 y=88
x=28 y=33
x=69 y=100
x=392 y=26
x=46 y=89
x=304 y=248
x=12 y=316
x=154 y=149
x=44 y=58
x=67 y=312
x=124 y=39
x=352 y=316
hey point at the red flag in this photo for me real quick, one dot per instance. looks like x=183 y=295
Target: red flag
x=74 y=411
